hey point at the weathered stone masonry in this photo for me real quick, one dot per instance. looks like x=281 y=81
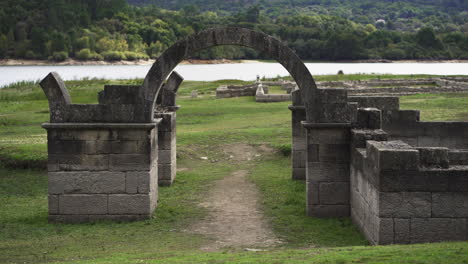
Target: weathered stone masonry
x=99 y=170
x=400 y=180
x=166 y=110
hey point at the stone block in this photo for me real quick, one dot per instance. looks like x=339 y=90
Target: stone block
x=335 y=153
x=86 y=182
x=98 y=147
x=127 y=204
x=312 y=189
x=359 y=137
x=458 y=180
x=66 y=147
x=299 y=173
x=312 y=153
x=53 y=204
x=428 y=141
x=130 y=162
x=168 y=122
x=92 y=134
x=328 y=135
x=458 y=157
x=134 y=135
x=327 y=172
x=369 y=118
x=385 y=103
x=80 y=162
x=167 y=156
x=334 y=192
x=386 y=231
x=434 y=157
x=130 y=147
x=402 y=230
x=333 y=96
x=392 y=155
x=82 y=204
x=450 y=205
x=425 y=230
x=408 y=115
x=166 y=174
x=141 y=181
x=166 y=140
x=405 y=204
x=337 y=113
x=299 y=143
x=328 y=210
x=414 y=181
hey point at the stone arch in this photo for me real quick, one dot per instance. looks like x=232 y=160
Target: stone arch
x=166 y=63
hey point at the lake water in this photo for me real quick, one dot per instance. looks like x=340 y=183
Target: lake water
x=211 y=72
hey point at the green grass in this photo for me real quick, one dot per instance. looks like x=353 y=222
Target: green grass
x=441 y=253
x=205 y=125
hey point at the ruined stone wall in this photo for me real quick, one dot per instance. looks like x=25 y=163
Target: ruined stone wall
x=229 y=91
x=405 y=125
x=263 y=97
x=102 y=171
x=401 y=194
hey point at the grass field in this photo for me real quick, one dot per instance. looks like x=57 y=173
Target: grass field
x=205 y=125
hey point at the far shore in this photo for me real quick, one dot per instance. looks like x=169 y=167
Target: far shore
x=73 y=62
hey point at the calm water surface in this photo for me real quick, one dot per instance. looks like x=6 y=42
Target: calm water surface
x=211 y=72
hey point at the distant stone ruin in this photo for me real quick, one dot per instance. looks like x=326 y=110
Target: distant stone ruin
x=369 y=87
x=259 y=89
x=399 y=179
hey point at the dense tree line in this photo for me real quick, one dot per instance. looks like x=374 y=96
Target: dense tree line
x=114 y=30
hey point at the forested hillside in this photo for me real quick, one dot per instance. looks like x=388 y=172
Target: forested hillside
x=316 y=29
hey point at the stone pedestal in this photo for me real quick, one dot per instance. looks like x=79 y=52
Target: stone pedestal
x=298 y=142
x=167 y=148
x=298 y=148
x=328 y=154
x=327 y=175
x=102 y=171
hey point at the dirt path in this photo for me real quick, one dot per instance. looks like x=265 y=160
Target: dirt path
x=235 y=219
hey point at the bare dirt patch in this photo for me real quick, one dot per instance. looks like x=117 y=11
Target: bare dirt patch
x=235 y=219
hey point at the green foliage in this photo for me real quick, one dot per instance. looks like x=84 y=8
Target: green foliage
x=60 y=56
x=315 y=29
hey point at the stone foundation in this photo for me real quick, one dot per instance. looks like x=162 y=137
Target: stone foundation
x=102 y=171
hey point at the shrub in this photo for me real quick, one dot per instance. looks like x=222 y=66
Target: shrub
x=113 y=55
x=60 y=56
x=30 y=55
x=284 y=149
x=130 y=55
x=84 y=54
x=87 y=54
x=394 y=54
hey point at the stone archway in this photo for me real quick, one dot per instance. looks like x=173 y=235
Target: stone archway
x=104 y=158
x=261 y=42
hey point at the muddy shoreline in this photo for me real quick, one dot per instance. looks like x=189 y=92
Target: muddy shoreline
x=73 y=62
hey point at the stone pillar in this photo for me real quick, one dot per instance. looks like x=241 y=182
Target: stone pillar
x=298 y=137
x=103 y=158
x=328 y=155
x=166 y=111
x=102 y=171
x=167 y=148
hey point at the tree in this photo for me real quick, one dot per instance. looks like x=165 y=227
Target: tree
x=426 y=37
x=39 y=40
x=3 y=46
